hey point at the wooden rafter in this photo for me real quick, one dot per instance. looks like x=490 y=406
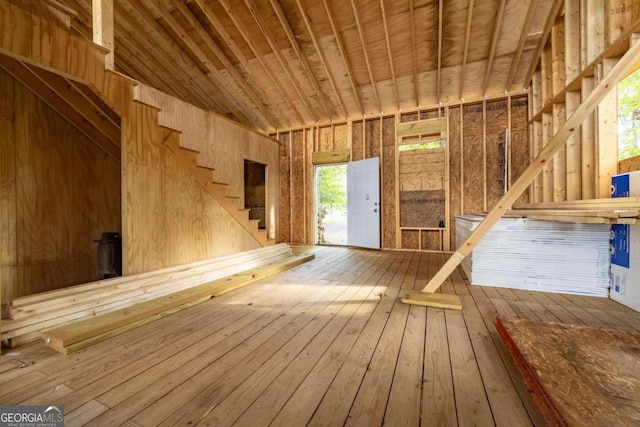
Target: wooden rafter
x=217 y=51
x=214 y=74
x=523 y=39
x=363 y=43
x=465 y=54
x=284 y=23
x=215 y=22
x=388 y=43
x=173 y=47
x=77 y=116
x=343 y=54
x=586 y=108
x=414 y=54
x=546 y=32
x=284 y=64
x=440 y=28
x=246 y=35
x=494 y=43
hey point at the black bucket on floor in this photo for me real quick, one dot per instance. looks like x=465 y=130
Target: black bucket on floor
x=109 y=256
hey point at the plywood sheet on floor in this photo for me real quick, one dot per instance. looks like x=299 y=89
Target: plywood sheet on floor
x=577 y=375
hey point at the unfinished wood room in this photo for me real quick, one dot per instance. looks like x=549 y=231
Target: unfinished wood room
x=320 y=212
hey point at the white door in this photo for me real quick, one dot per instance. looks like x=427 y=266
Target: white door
x=363 y=203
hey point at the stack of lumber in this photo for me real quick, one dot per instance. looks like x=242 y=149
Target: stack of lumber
x=575 y=375
x=623 y=210
x=537 y=255
x=32 y=314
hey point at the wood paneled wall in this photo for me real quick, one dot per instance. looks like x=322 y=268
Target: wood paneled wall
x=167 y=219
x=475 y=134
x=58 y=192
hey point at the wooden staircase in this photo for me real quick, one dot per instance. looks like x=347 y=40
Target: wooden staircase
x=203 y=174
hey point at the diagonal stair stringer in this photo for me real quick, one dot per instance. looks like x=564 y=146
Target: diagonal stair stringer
x=203 y=175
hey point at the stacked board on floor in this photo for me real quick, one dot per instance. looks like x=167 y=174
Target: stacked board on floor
x=32 y=314
x=538 y=255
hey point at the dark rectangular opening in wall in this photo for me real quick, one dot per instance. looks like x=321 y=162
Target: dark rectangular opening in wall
x=255 y=196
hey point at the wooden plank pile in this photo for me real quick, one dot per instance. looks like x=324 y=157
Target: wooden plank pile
x=30 y=315
x=623 y=210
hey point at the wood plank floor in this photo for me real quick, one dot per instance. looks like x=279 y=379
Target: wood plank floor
x=327 y=343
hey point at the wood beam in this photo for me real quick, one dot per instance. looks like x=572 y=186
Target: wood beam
x=214 y=74
x=102 y=11
x=515 y=63
x=24 y=75
x=465 y=54
x=343 y=54
x=492 y=49
x=284 y=63
x=588 y=106
x=414 y=54
x=284 y=23
x=217 y=51
x=363 y=43
x=546 y=32
x=388 y=43
x=226 y=5
x=439 y=72
x=215 y=22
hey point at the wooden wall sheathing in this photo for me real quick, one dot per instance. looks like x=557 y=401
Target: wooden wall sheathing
x=58 y=192
x=372 y=138
x=340 y=137
x=473 y=155
x=497 y=124
x=455 y=170
x=357 y=141
x=298 y=187
x=309 y=191
x=519 y=142
x=430 y=240
x=388 y=183
x=410 y=239
x=629 y=165
x=285 y=187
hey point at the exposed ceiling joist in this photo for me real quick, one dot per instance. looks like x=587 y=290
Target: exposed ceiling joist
x=284 y=23
x=388 y=43
x=284 y=63
x=363 y=43
x=345 y=59
x=521 y=42
x=211 y=44
x=414 y=55
x=249 y=39
x=439 y=76
x=492 y=48
x=465 y=53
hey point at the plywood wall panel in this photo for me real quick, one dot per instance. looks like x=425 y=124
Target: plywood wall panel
x=357 y=141
x=473 y=154
x=455 y=170
x=341 y=137
x=372 y=138
x=410 y=239
x=298 y=187
x=285 y=188
x=497 y=124
x=58 y=192
x=388 y=183
x=518 y=144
